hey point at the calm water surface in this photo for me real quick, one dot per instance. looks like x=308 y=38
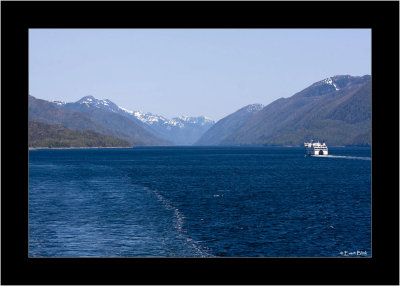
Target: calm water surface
x=199 y=202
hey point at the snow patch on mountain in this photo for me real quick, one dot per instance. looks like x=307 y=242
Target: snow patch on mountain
x=58 y=102
x=328 y=81
x=126 y=110
x=151 y=119
x=254 y=107
x=200 y=120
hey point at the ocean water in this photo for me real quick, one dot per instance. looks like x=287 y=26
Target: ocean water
x=199 y=202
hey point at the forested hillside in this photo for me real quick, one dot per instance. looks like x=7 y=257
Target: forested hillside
x=57 y=136
x=336 y=109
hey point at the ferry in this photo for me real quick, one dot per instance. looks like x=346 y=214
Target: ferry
x=316 y=148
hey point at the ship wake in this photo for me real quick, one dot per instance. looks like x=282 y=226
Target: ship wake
x=346 y=157
x=197 y=249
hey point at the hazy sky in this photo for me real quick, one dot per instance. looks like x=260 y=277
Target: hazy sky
x=172 y=72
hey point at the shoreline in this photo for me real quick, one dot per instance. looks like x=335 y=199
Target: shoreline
x=61 y=148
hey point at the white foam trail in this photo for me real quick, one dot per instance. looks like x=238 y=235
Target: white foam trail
x=178 y=225
x=345 y=157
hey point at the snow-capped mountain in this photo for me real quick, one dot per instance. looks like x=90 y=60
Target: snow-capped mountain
x=104 y=104
x=182 y=130
x=201 y=120
x=158 y=120
x=153 y=119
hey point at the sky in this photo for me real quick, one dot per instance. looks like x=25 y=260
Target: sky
x=191 y=72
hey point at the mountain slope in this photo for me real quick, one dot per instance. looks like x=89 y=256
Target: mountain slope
x=46 y=112
x=320 y=111
x=46 y=135
x=97 y=120
x=180 y=130
x=337 y=109
x=130 y=129
x=228 y=125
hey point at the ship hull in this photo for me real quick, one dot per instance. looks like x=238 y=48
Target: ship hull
x=317 y=152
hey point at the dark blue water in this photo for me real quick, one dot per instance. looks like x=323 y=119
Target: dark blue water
x=199 y=202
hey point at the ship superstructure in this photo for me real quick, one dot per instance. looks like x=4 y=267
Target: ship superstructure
x=316 y=148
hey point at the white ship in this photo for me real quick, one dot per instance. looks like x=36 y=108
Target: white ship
x=316 y=148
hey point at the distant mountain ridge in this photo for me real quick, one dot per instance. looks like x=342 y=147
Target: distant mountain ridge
x=106 y=117
x=95 y=119
x=336 y=109
x=182 y=130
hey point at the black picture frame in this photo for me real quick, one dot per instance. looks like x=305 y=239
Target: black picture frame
x=381 y=17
